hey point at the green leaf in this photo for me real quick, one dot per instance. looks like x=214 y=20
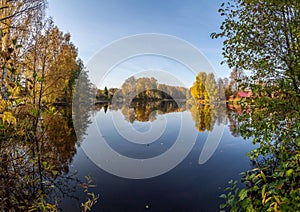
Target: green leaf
x=243 y=194
x=45 y=164
x=54 y=172
x=289 y=172
x=35 y=112
x=18 y=101
x=223 y=196
x=14 y=41
x=222 y=206
x=40 y=79
x=298 y=142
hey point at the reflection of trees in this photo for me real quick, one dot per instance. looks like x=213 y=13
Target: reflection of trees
x=221 y=113
x=204 y=117
x=128 y=113
x=16 y=188
x=147 y=103
x=58 y=147
x=81 y=105
x=143 y=110
x=29 y=167
x=20 y=175
x=234 y=123
x=147 y=111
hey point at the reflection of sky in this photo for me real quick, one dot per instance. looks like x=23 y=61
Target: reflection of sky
x=95 y=24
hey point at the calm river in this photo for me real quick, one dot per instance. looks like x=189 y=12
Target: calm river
x=174 y=136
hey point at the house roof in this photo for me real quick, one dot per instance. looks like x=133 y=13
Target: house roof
x=243 y=94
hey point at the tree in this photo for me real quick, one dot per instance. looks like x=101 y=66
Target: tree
x=106 y=92
x=205 y=88
x=129 y=88
x=38 y=65
x=211 y=87
x=17 y=20
x=221 y=89
x=264 y=37
x=62 y=67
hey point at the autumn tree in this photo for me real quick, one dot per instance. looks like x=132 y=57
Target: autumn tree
x=146 y=88
x=211 y=87
x=221 y=89
x=62 y=68
x=17 y=19
x=198 y=90
x=38 y=65
x=129 y=87
x=205 y=88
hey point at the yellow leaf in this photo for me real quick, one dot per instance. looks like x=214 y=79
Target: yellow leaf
x=277 y=200
x=268 y=199
x=263 y=195
x=275 y=207
x=263 y=176
x=9 y=118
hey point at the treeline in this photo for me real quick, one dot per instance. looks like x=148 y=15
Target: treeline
x=39 y=66
x=148 y=88
x=143 y=89
x=205 y=89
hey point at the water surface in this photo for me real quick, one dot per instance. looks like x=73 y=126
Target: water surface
x=189 y=186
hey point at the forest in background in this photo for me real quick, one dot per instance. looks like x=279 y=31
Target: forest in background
x=205 y=89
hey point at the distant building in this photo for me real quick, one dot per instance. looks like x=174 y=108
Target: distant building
x=243 y=94
x=240 y=94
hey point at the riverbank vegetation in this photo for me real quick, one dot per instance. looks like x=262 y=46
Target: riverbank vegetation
x=264 y=37
x=39 y=66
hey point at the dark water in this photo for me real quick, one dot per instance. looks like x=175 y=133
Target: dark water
x=189 y=186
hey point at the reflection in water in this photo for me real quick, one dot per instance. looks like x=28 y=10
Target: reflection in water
x=144 y=111
x=197 y=185
x=25 y=172
x=58 y=144
x=234 y=125
x=59 y=147
x=204 y=115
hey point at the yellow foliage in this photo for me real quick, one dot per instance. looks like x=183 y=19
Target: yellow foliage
x=15 y=91
x=9 y=118
x=4 y=104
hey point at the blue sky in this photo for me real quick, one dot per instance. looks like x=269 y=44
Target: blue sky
x=95 y=24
